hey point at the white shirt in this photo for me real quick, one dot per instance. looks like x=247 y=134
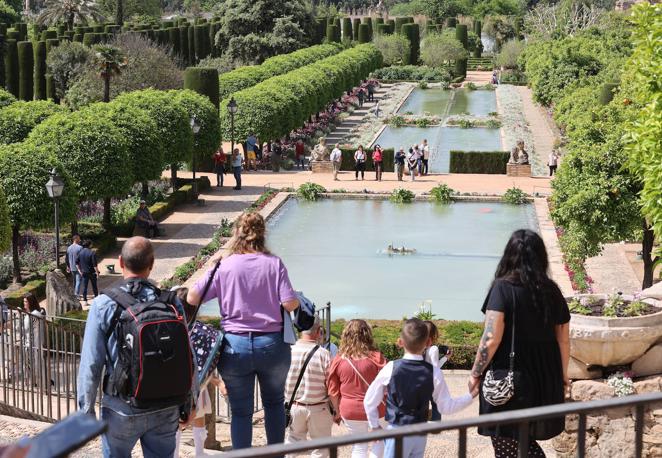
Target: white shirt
x=359 y=156
x=336 y=155
x=445 y=403
x=432 y=357
x=425 y=150
x=553 y=158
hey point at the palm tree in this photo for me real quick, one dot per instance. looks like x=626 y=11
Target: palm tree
x=111 y=62
x=69 y=12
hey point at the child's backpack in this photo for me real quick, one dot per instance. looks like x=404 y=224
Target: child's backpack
x=155 y=367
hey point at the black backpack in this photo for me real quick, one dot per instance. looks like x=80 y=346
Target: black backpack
x=154 y=366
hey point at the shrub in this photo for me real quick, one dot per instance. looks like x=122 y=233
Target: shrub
x=18 y=119
x=412 y=73
x=364 y=33
x=402 y=196
x=203 y=81
x=515 y=196
x=442 y=193
x=394 y=48
x=510 y=53
x=223 y=64
x=310 y=191
x=92 y=150
x=438 y=50
x=6 y=98
x=66 y=63
x=471 y=86
x=274 y=107
x=396 y=121
x=7 y=14
x=478 y=162
x=5 y=226
x=245 y=77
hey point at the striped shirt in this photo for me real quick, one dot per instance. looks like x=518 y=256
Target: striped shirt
x=313 y=384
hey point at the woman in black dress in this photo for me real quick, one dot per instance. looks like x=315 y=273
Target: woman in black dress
x=523 y=292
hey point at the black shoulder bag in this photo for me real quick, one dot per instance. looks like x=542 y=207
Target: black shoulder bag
x=288 y=405
x=498 y=391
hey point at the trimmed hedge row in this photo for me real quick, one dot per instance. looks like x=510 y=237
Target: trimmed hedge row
x=245 y=77
x=492 y=162
x=348 y=159
x=275 y=107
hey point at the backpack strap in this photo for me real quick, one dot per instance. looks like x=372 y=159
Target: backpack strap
x=123 y=300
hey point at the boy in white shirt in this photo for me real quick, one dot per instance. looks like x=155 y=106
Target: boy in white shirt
x=410 y=384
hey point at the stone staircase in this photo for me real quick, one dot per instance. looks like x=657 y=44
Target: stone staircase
x=356 y=118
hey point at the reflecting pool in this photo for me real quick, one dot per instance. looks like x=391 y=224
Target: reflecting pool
x=442 y=103
x=335 y=250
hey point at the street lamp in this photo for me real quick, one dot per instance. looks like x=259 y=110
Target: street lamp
x=232 y=108
x=54 y=187
x=195 y=128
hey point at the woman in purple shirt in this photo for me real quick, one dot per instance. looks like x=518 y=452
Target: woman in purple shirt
x=251 y=285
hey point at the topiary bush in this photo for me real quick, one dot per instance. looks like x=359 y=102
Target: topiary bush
x=18 y=119
x=413 y=34
x=40 y=69
x=203 y=81
x=25 y=70
x=364 y=33
x=347 y=32
x=11 y=67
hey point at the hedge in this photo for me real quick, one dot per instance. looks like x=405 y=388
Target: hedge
x=40 y=69
x=400 y=21
x=245 y=77
x=490 y=162
x=347 y=33
x=383 y=29
x=11 y=67
x=462 y=36
x=413 y=34
x=332 y=33
x=364 y=33
x=273 y=108
x=18 y=119
x=2 y=59
x=203 y=81
x=367 y=21
x=356 y=23
x=451 y=22
x=183 y=44
x=190 y=38
x=6 y=98
x=348 y=159
x=25 y=70
x=320 y=30
x=175 y=41
x=202 y=44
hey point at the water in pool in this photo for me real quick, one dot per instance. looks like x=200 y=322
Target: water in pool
x=442 y=140
x=335 y=251
x=441 y=102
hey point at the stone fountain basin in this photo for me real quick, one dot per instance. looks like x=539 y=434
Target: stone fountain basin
x=605 y=341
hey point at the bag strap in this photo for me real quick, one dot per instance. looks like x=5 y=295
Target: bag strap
x=512 y=336
x=349 y=361
x=204 y=292
x=123 y=300
x=303 y=370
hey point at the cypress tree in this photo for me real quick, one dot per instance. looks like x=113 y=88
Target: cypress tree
x=391 y=25
x=201 y=37
x=347 y=29
x=368 y=21
x=399 y=22
x=332 y=34
x=413 y=34
x=40 y=70
x=190 y=31
x=356 y=23
x=25 y=70
x=382 y=29
x=2 y=59
x=173 y=38
x=364 y=33
x=11 y=67
x=462 y=37
x=183 y=44
x=320 y=30
x=51 y=43
x=203 y=81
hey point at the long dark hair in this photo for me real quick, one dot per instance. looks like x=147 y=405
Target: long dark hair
x=525 y=262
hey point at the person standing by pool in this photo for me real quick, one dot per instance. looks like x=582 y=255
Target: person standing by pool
x=236 y=168
x=336 y=160
x=378 y=160
x=351 y=373
x=400 y=163
x=425 y=156
x=524 y=298
x=299 y=154
x=251 y=285
x=219 y=166
x=553 y=162
x=412 y=161
x=359 y=162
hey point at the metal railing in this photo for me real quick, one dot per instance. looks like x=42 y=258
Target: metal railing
x=39 y=365
x=521 y=418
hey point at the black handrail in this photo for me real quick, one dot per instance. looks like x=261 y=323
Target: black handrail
x=520 y=417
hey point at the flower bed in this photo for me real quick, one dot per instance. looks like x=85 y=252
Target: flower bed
x=615 y=305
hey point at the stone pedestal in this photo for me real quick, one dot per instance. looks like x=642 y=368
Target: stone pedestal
x=518 y=170
x=60 y=297
x=322 y=166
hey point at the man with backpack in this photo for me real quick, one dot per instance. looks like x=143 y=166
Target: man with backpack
x=139 y=335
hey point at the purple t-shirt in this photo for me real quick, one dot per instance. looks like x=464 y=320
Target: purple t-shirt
x=250 y=289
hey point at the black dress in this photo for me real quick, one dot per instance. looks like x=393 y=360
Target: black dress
x=537 y=356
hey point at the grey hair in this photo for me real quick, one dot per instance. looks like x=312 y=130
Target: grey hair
x=314 y=328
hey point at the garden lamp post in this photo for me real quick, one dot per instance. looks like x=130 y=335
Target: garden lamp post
x=195 y=128
x=54 y=187
x=232 y=108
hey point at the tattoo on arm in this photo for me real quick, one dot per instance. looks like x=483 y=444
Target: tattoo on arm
x=482 y=356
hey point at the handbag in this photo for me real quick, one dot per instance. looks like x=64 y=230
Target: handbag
x=288 y=405
x=498 y=391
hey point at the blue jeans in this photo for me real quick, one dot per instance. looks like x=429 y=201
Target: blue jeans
x=87 y=278
x=246 y=357
x=77 y=278
x=156 y=432
x=236 y=171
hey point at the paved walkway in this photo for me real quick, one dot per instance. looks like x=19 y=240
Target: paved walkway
x=611 y=271
x=478 y=77
x=544 y=134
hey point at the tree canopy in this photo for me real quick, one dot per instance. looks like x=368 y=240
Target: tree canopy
x=18 y=119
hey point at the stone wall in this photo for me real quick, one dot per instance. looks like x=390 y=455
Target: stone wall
x=610 y=434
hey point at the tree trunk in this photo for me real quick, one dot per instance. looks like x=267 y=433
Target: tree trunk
x=145 y=191
x=74 y=226
x=646 y=254
x=119 y=13
x=106 y=212
x=173 y=176
x=14 y=251
x=106 y=87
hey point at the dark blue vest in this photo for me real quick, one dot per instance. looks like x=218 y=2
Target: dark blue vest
x=409 y=392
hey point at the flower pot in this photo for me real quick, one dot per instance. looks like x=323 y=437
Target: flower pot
x=608 y=341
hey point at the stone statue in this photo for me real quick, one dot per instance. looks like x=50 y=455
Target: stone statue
x=523 y=155
x=514 y=156
x=321 y=152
